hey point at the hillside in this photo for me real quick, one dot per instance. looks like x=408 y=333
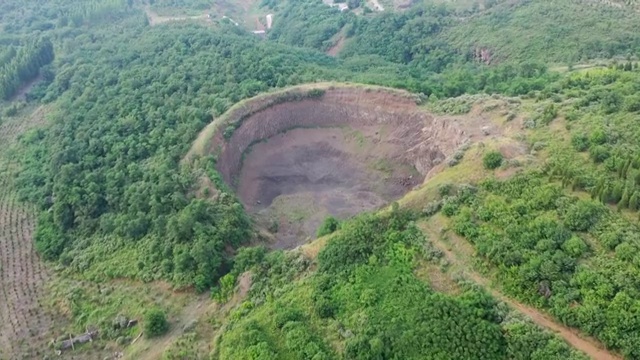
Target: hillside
x=426 y=180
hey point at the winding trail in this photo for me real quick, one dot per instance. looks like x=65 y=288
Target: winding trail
x=590 y=346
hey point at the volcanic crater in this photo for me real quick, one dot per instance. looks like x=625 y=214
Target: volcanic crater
x=300 y=155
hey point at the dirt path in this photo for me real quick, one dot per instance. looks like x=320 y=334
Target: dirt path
x=200 y=310
x=24 y=89
x=335 y=49
x=588 y=345
x=151 y=349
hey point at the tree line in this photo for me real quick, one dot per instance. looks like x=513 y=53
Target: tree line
x=23 y=65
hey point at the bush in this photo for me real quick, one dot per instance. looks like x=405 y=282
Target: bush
x=580 y=142
x=329 y=226
x=155 y=323
x=599 y=153
x=450 y=207
x=432 y=208
x=247 y=257
x=316 y=93
x=550 y=112
x=445 y=189
x=632 y=103
x=492 y=160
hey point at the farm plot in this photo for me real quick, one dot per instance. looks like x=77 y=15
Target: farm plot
x=24 y=323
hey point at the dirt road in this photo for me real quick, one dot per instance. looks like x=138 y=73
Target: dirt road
x=588 y=345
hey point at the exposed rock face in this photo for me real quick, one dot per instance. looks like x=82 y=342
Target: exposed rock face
x=426 y=140
x=297 y=156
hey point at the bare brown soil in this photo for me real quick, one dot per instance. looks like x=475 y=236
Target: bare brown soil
x=295 y=161
x=313 y=173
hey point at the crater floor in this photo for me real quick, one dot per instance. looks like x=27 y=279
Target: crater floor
x=293 y=180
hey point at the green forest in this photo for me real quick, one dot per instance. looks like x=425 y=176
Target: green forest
x=114 y=200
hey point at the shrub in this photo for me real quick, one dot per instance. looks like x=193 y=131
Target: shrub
x=445 y=189
x=599 y=153
x=315 y=93
x=225 y=288
x=537 y=146
x=550 y=112
x=450 y=207
x=155 y=323
x=329 y=226
x=228 y=131
x=247 y=257
x=580 y=142
x=575 y=246
x=492 y=160
x=632 y=103
x=432 y=208
x=598 y=137
x=324 y=308
x=572 y=115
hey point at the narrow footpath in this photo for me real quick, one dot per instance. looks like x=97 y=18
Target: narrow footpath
x=590 y=346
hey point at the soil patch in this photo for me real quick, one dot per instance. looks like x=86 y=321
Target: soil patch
x=296 y=179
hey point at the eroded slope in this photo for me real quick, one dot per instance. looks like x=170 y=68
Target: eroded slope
x=296 y=156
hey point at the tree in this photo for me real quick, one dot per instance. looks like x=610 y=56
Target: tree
x=634 y=201
x=492 y=160
x=582 y=215
x=575 y=246
x=155 y=323
x=624 y=201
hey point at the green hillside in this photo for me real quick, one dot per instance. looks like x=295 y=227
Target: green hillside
x=518 y=238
